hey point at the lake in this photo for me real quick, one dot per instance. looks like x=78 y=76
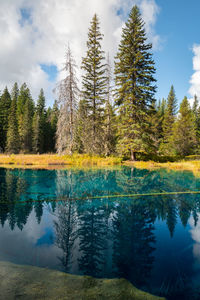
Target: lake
x=105 y=223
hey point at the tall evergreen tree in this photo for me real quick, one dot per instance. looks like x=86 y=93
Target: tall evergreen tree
x=5 y=103
x=109 y=115
x=82 y=128
x=196 y=114
x=68 y=100
x=39 y=122
x=169 y=119
x=25 y=111
x=195 y=105
x=135 y=88
x=184 y=135
x=12 y=144
x=50 y=128
x=157 y=123
x=26 y=129
x=94 y=86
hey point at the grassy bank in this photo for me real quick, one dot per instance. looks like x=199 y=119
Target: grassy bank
x=53 y=160
x=193 y=166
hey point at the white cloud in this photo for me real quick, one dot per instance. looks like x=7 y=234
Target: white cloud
x=25 y=44
x=195 y=79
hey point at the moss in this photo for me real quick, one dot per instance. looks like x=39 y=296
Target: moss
x=27 y=282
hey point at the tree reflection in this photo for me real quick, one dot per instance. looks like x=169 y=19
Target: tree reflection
x=133 y=242
x=65 y=227
x=103 y=236
x=92 y=233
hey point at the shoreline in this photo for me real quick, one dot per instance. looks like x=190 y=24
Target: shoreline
x=57 y=162
x=32 y=282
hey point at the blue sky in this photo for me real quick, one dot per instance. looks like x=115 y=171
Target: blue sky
x=34 y=35
x=178 y=25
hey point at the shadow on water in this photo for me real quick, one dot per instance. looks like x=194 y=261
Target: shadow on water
x=153 y=241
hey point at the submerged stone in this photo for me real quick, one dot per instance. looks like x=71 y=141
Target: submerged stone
x=27 y=282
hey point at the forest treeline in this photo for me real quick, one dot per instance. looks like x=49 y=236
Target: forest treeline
x=113 y=113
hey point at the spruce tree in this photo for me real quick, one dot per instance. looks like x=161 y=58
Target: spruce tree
x=5 y=103
x=135 y=88
x=195 y=105
x=82 y=128
x=51 y=117
x=169 y=119
x=94 y=86
x=154 y=133
x=196 y=114
x=39 y=121
x=25 y=110
x=161 y=109
x=53 y=120
x=184 y=135
x=12 y=144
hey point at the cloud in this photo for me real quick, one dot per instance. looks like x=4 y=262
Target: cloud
x=35 y=33
x=195 y=79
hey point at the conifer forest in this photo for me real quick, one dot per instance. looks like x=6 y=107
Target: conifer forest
x=112 y=111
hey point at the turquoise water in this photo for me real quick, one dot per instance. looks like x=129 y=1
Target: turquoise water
x=52 y=219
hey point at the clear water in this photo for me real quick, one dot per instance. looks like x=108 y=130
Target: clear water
x=51 y=219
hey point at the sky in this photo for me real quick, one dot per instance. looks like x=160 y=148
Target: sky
x=34 y=36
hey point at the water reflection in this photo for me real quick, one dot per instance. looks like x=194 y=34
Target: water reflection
x=104 y=237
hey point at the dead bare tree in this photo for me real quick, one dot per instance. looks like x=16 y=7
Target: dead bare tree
x=68 y=95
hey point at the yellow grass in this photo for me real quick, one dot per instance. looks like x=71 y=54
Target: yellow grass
x=52 y=161
x=193 y=166
x=56 y=161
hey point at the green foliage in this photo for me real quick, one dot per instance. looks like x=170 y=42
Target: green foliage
x=39 y=124
x=50 y=128
x=25 y=111
x=134 y=70
x=109 y=129
x=82 y=127
x=168 y=122
x=184 y=133
x=5 y=103
x=94 y=87
x=12 y=143
x=26 y=128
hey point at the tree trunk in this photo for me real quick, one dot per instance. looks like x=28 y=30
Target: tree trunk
x=132 y=155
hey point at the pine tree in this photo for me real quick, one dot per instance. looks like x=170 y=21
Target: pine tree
x=94 y=87
x=12 y=144
x=169 y=119
x=39 y=122
x=195 y=105
x=134 y=77
x=5 y=103
x=196 y=114
x=50 y=128
x=53 y=119
x=25 y=111
x=82 y=128
x=184 y=135
x=68 y=101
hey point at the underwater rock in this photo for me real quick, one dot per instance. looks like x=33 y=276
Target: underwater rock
x=27 y=282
